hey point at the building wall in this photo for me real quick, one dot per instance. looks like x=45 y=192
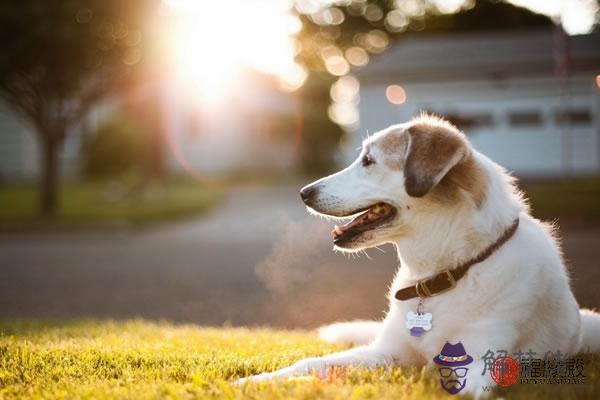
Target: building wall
x=514 y=121
x=18 y=148
x=20 y=152
x=231 y=137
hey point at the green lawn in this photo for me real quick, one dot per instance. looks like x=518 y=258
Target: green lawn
x=570 y=198
x=138 y=360
x=106 y=204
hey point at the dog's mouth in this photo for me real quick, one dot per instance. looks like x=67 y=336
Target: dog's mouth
x=368 y=218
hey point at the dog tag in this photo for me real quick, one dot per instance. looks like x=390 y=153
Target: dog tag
x=418 y=323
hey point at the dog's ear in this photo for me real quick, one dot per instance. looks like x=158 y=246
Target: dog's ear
x=434 y=149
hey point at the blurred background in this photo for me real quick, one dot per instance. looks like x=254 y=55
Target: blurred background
x=151 y=152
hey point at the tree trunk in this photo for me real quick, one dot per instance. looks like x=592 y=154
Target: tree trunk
x=49 y=177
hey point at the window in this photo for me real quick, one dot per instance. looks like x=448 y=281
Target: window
x=525 y=118
x=465 y=121
x=468 y=122
x=579 y=116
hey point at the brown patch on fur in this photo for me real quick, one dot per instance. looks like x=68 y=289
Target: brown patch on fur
x=393 y=145
x=468 y=176
x=432 y=147
x=434 y=143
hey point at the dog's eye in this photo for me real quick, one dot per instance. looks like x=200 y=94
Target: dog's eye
x=367 y=160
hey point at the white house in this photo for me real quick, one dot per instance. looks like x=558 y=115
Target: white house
x=528 y=99
x=247 y=132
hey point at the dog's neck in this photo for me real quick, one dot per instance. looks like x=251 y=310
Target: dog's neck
x=445 y=237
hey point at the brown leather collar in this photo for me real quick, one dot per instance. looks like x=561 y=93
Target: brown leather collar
x=447 y=279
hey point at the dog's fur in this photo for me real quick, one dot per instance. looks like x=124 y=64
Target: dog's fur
x=452 y=203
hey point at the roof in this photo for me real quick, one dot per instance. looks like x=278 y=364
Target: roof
x=476 y=55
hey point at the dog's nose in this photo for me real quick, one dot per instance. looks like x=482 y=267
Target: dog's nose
x=307 y=193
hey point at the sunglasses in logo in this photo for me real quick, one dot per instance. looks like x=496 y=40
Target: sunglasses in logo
x=447 y=372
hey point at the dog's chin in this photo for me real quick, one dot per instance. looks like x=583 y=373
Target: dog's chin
x=362 y=241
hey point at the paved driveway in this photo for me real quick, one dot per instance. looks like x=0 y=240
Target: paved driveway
x=259 y=259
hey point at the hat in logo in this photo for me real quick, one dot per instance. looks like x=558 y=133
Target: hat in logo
x=453 y=355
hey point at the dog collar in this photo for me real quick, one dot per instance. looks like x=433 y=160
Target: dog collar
x=447 y=279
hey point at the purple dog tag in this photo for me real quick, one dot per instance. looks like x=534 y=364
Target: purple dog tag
x=416 y=331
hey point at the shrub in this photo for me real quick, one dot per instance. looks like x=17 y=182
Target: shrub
x=116 y=148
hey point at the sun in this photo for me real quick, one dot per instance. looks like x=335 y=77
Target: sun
x=213 y=42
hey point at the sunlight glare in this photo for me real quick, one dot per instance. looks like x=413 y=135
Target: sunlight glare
x=213 y=42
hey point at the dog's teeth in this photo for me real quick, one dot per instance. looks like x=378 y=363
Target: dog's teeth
x=337 y=231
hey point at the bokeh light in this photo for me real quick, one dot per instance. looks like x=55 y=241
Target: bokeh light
x=413 y=8
x=345 y=90
x=376 y=41
x=344 y=102
x=343 y=114
x=357 y=56
x=396 y=21
x=576 y=16
x=328 y=16
x=395 y=94
x=598 y=81
x=330 y=51
x=337 y=65
x=452 y=6
x=373 y=13
x=309 y=6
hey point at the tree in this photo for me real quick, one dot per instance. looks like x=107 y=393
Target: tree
x=350 y=28
x=59 y=58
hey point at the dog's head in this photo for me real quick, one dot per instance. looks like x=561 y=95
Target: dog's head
x=402 y=172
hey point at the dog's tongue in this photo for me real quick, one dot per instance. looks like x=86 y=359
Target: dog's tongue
x=362 y=218
x=373 y=213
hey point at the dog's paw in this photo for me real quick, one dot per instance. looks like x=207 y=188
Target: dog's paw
x=241 y=381
x=266 y=376
x=309 y=366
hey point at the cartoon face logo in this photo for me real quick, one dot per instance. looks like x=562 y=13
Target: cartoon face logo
x=452 y=360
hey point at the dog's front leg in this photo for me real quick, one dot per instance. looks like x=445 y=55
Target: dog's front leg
x=478 y=342
x=364 y=356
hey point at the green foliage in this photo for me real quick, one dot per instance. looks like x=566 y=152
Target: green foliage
x=143 y=360
x=573 y=197
x=111 y=202
x=320 y=141
x=60 y=57
x=320 y=136
x=116 y=148
x=373 y=24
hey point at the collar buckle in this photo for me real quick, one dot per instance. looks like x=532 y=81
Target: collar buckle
x=440 y=283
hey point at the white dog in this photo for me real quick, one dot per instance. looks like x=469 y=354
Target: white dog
x=476 y=268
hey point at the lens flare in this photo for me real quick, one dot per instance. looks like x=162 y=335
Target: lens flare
x=213 y=42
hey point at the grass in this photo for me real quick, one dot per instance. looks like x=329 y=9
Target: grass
x=107 y=204
x=142 y=360
x=570 y=198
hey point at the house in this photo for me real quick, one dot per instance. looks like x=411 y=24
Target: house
x=529 y=99
x=252 y=130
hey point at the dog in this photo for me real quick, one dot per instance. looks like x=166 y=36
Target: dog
x=475 y=267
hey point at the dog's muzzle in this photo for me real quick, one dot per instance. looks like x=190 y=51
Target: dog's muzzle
x=308 y=194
